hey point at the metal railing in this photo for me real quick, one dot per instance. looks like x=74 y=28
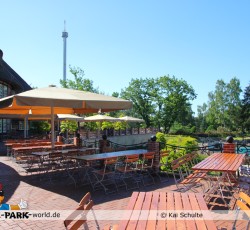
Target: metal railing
x=241 y=147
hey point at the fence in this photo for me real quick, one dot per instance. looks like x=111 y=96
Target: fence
x=241 y=147
x=111 y=132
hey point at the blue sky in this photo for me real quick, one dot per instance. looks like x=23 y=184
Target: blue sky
x=114 y=41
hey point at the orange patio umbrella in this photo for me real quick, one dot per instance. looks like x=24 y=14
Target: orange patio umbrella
x=53 y=100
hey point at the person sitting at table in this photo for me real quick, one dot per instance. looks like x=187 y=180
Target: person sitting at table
x=104 y=144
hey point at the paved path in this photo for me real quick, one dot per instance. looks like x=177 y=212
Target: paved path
x=43 y=196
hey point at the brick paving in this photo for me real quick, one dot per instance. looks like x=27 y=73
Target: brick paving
x=45 y=196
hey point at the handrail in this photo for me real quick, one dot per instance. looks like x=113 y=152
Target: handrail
x=242 y=147
x=204 y=149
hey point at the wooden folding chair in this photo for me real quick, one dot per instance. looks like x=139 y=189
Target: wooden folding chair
x=79 y=216
x=146 y=168
x=129 y=170
x=185 y=181
x=106 y=176
x=243 y=204
x=160 y=164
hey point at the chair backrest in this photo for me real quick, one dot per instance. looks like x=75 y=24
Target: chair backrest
x=132 y=158
x=78 y=217
x=85 y=200
x=148 y=158
x=164 y=153
x=149 y=155
x=176 y=164
x=110 y=161
x=243 y=204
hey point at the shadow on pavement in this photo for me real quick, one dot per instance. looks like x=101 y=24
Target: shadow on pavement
x=76 y=193
x=10 y=179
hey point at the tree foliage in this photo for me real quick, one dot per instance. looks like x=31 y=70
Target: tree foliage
x=160 y=101
x=165 y=102
x=68 y=126
x=223 y=106
x=140 y=92
x=79 y=82
x=173 y=101
x=245 y=111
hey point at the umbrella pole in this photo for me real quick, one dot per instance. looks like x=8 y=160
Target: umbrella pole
x=25 y=127
x=52 y=128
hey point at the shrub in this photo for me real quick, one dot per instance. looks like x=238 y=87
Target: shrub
x=178 y=146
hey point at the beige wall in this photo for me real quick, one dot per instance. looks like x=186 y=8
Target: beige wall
x=130 y=139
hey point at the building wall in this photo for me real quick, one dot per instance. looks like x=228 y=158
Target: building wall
x=10 y=83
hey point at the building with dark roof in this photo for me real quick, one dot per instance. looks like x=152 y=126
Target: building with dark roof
x=10 y=83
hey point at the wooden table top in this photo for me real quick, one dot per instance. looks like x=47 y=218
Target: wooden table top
x=223 y=162
x=102 y=156
x=26 y=144
x=40 y=146
x=64 y=151
x=163 y=210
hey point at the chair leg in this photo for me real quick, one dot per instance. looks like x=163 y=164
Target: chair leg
x=144 y=173
x=159 y=173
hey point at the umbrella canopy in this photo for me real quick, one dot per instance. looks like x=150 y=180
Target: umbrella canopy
x=60 y=117
x=130 y=119
x=62 y=100
x=100 y=117
x=69 y=117
x=53 y=100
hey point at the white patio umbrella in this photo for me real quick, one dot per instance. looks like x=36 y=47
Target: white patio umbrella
x=130 y=119
x=53 y=100
x=69 y=117
x=100 y=117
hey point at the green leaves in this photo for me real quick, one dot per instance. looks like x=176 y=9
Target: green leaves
x=69 y=126
x=223 y=107
x=160 y=101
x=79 y=82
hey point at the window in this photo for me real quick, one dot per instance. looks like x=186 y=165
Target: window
x=4 y=123
x=21 y=125
x=4 y=90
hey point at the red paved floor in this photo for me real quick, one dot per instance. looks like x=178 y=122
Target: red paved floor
x=43 y=196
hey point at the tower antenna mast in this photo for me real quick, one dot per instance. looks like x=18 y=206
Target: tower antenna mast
x=64 y=36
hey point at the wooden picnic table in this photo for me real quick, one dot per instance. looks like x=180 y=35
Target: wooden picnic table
x=27 y=143
x=221 y=162
x=226 y=163
x=166 y=210
x=35 y=147
x=64 y=151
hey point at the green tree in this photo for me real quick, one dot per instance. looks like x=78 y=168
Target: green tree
x=234 y=105
x=201 y=123
x=224 y=105
x=160 y=101
x=79 y=82
x=172 y=99
x=245 y=111
x=139 y=92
